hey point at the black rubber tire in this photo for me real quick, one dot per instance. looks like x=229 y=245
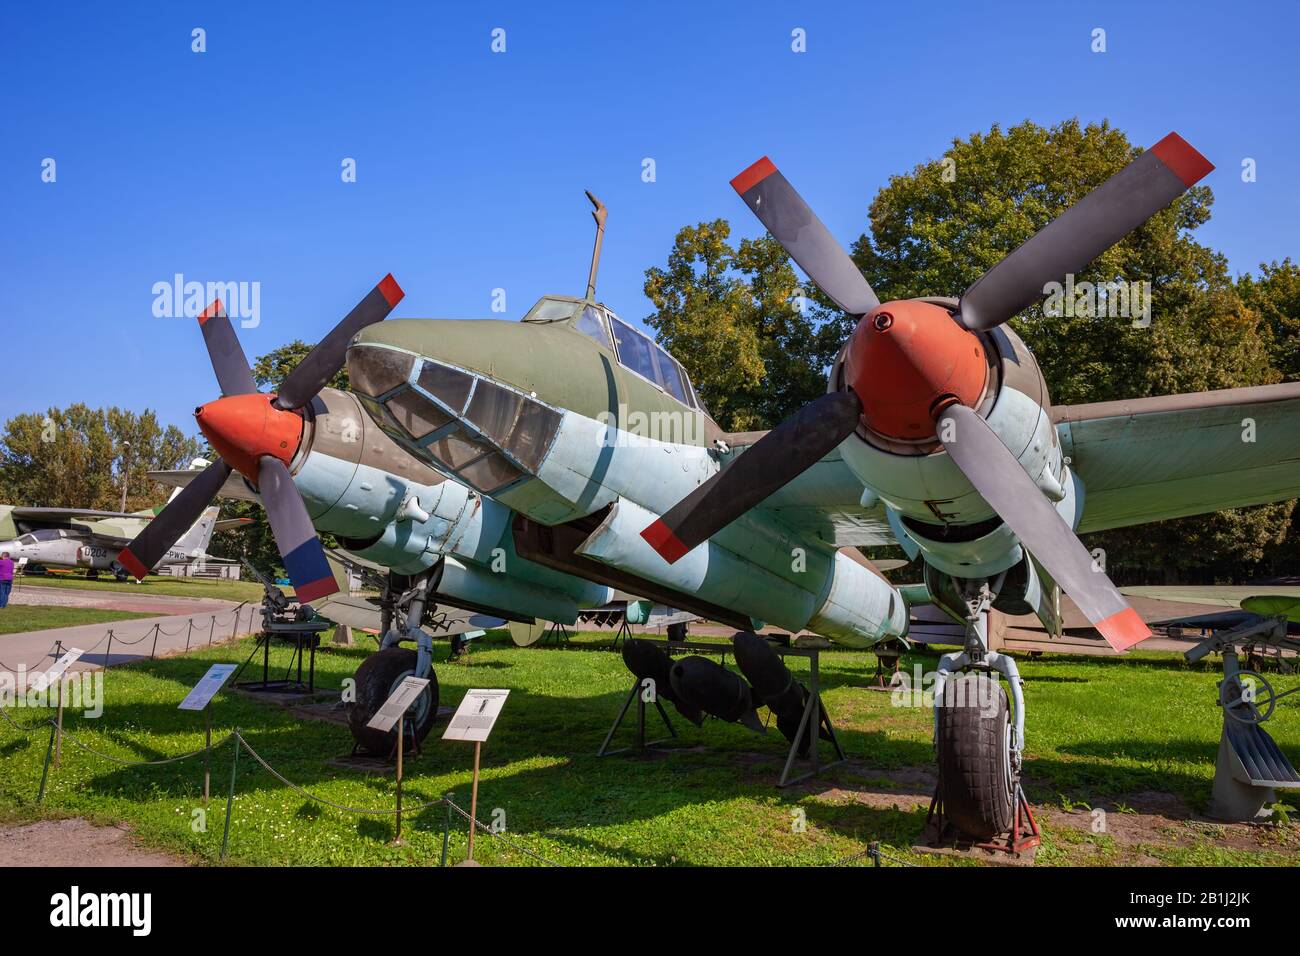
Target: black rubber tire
x=677 y=632
x=376 y=677
x=975 y=781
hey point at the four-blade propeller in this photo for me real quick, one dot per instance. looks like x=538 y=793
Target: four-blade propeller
x=1103 y=217
x=257 y=435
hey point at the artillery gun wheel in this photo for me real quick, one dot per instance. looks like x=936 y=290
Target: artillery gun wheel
x=1237 y=704
x=976 y=783
x=377 y=677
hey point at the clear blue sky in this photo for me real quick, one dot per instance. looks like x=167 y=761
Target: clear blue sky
x=226 y=165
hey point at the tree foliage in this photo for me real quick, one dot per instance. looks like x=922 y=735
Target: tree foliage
x=737 y=318
x=77 y=457
x=272 y=368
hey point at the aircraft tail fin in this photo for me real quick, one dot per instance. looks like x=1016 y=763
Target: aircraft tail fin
x=195 y=541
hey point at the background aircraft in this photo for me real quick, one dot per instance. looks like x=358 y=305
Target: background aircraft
x=90 y=539
x=936 y=433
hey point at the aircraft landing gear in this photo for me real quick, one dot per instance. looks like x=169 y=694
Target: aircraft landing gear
x=381 y=672
x=979 y=733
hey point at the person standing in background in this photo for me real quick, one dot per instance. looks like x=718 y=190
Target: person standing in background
x=6 y=578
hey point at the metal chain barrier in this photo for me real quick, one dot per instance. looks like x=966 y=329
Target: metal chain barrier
x=874 y=851
x=337 y=806
x=504 y=839
x=19 y=727
x=136 y=763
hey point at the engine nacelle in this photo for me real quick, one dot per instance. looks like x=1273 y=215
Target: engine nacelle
x=843 y=600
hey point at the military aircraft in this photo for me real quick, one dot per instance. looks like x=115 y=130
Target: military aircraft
x=314 y=460
x=936 y=433
x=89 y=539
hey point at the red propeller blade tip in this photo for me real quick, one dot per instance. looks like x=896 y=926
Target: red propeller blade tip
x=315 y=589
x=661 y=538
x=390 y=290
x=1182 y=159
x=1123 y=629
x=752 y=176
x=212 y=311
x=132 y=564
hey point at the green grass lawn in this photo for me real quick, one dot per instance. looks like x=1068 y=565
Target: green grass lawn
x=221 y=590
x=17 y=618
x=1102 y=732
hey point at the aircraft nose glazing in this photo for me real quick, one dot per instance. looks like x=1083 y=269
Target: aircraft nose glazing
x=485 y=433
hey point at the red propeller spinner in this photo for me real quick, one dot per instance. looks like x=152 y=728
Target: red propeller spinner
x=907 y=361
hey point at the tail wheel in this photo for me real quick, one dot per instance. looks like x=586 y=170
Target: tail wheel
x=973 y=738
x=377 y=677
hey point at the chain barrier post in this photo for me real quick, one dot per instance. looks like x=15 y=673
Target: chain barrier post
x=154 y=650
x=49 y=752
x=230 y=798
x=108 y=652
x=189 y=629
x=212 y=628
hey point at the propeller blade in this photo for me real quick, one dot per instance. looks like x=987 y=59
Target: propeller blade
x=322 y=362
x=173 y=521
x=1084 y=231
x=295 y=536
x=225 y=352
x=998 y=477
x=776 y=459
x=796 y=227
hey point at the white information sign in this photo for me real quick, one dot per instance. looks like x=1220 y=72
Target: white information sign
x=476 y=714
x=44 y=680
x=402 y=697
x=202 y=693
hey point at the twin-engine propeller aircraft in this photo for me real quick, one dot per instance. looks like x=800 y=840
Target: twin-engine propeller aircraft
x=936 y=433
x=313 y=459
x=87 y=539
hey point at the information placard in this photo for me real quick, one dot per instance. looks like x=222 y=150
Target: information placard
x=44 y=680
x=401 y=698
x=203 y=692
x=476 y=714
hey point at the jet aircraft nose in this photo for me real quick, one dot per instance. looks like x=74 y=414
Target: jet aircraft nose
x=486 y=433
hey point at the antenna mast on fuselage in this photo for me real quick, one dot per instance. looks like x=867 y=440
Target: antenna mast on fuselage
x=597 y=214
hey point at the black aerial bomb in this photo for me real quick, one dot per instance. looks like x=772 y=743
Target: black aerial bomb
x=774 y=686
x=645 y=660
x=715 y=690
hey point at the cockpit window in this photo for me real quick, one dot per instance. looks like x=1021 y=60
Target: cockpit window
x=27 y=539
x=592 y=324
x=550 y=309
x=634 y=350
x=674 y=382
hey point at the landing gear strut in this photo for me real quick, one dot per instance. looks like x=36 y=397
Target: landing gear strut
x=979 y=734
x=381 y=672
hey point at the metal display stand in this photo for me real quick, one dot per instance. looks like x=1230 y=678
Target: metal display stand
x=557 y=634
x=814 y=712
x=301 y=634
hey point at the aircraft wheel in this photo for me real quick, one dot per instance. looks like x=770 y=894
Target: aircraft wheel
x=677 y=632
x=92 y=575
x=377 y=677
x=974 y=743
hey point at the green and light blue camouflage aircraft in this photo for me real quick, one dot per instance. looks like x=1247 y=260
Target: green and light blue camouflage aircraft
x=320 y=465
x=936 y=433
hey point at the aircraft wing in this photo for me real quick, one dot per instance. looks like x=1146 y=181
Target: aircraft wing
x=1150 y=459
x=823 y=503
x=235 y=487
x=73 y=514
x=228 y=524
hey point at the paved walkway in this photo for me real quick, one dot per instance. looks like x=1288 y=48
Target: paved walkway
x=143 y=602
x=118 y=642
